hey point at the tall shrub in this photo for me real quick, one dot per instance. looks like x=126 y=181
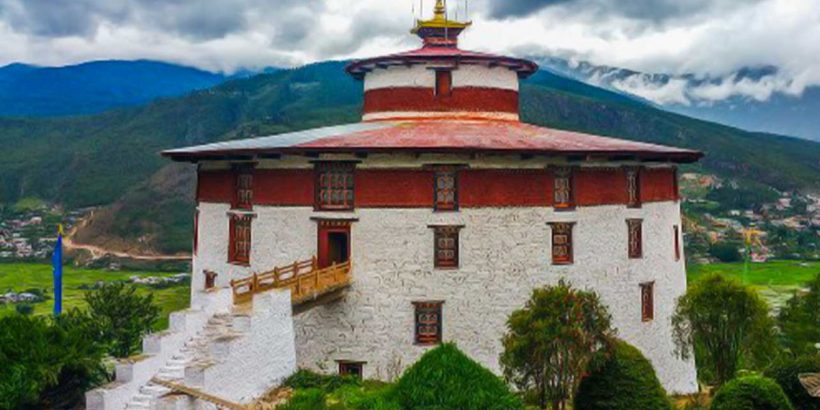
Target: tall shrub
x=799 y=320
x=723 y=322
x=550 y=343
x=626 y=381
x=751 y=393
x=446 y=379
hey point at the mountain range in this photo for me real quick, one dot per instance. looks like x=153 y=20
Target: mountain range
x=94 y=87
x=756 y=99
x=111 y=159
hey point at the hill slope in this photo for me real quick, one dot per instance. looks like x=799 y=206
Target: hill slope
x=94 y=87
x=96 y=160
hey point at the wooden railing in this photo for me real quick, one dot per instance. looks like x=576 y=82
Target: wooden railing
x=304 y=279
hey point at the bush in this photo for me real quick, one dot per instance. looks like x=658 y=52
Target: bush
x=309 y=399
x=785 y=373
x=625 y=381
x=306 y=379
x=123 y=316
x=24 y=309
x=725 y=252
x=445 y=378
x=751 y=392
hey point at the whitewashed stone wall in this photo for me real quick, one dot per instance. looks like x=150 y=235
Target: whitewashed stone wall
x=465 y=75
x=504 y=252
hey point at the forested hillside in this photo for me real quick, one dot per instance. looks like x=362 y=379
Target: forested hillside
x=113 y=157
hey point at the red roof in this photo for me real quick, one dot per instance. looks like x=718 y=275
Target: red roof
x=436 y=54
x=442 y=136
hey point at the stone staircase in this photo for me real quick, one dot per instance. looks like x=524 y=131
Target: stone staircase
x=233 y=353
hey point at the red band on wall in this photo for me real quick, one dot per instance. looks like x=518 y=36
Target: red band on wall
x=461 y=99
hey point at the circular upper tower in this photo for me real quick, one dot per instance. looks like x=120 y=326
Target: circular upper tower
x=440 y=80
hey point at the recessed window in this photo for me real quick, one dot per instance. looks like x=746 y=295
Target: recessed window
x=633 y=187
x=676 y=234
x=210 y=279
x=351 y=369
x=444 y=83
x=446 y=180
x=428 y=322
x=562 y=253
x=647 y=301
x=446 y=246
x=239 y=249
x=563 y=195
x=635 y=237
x=243 y=197
x=334 y=185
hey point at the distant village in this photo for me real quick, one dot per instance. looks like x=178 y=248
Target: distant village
x=785 y=225
x=31 y=233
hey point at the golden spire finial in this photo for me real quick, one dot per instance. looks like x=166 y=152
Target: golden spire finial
x=440 y=12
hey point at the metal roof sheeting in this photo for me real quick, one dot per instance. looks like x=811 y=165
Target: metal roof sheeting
x=441 y=136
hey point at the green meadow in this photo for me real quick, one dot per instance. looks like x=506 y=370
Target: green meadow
x=775 y=280
x=19 y=277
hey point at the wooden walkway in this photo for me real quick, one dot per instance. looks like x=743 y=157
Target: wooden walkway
x=306 y=281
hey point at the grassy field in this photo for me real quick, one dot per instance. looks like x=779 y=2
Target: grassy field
x=775 y=280
x=21 y=276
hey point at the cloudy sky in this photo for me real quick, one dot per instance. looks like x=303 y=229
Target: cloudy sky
x=707 y=38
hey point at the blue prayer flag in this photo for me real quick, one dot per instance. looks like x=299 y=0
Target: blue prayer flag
x=57 y=263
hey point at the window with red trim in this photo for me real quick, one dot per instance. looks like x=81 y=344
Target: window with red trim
x=239 y=249
x=635 y=233
x=444 y=83
x=647 y=301
x=446 y=246
x=562 y=243
x=334 y=185
x=243 y=196
x=428 y=323
x=446 y=181
x=633 y=187
x=563 y=195
x=676 y=233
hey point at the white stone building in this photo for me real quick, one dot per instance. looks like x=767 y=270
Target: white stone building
x=438 y=214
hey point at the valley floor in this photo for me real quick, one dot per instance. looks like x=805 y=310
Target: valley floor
x=19 y=277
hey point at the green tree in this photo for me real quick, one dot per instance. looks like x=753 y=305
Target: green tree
x=626 y=381
x=799 y=320
x=725 y=251
x=122 y=315
x=724 y=323
x=560 y=334
x=48 y=363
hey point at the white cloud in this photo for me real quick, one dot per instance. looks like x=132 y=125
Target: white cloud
x=708 y=38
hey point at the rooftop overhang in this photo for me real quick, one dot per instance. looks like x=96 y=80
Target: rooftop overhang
x=439 y=56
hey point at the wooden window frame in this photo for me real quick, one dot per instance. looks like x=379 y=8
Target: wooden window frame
x=677 y=233
x=243 y=186
x=235 y=257
x=633 y=187
x=438 y=204
x=559 y=229
x=559 y=174
x=325 y=171
x=427 y=338
x=210 y=279
x=634 y=238
x=444 y=83
x=647 y=301
x=346 y=365
x=441 y=232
